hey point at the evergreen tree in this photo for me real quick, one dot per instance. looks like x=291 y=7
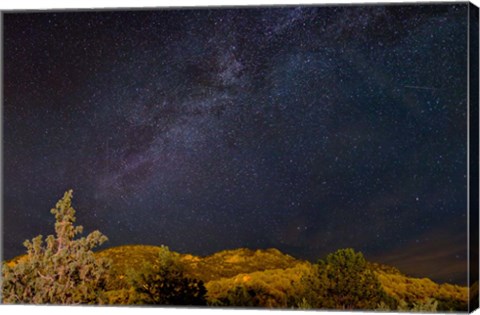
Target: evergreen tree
x=252 y=294
x=343 y=281
x=165 y=283
x=61 y=270
x=350 y=283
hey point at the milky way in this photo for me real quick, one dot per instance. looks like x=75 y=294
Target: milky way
x=307 y=129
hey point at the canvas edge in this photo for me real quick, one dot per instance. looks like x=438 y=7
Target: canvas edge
x=1 y=149
x=473 y=155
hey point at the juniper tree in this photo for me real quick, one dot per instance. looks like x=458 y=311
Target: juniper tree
x=343 y=281
x=164 y=282
x=349 y=283
x=60 y=270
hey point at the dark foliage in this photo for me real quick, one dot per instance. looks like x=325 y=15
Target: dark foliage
x=165 y=283
x=343 y=281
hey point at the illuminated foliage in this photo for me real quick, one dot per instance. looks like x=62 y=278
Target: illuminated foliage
x=61 y=270
x=413 y=292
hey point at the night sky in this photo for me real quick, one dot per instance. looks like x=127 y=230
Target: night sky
x=307 y=129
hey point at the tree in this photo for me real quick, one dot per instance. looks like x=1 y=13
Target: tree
x=253 y=293
x=61 y=270
x=165 y=283
x=313 y=289
x=343 y=281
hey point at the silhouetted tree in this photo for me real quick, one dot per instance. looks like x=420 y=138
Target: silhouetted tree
x=165 y=283
x=61 y=270
x=343 y=281
x=350 y=284
x=252 y=294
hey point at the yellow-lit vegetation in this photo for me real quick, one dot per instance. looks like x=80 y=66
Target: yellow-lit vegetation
x=269 y=278
x=265 y=278
x=269 y=288
x=414 y=290
x=229 y=263
x=65 y=270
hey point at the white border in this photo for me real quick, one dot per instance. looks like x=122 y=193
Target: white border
x=98 y=4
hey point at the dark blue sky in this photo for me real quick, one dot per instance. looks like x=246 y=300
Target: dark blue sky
x=307 y=129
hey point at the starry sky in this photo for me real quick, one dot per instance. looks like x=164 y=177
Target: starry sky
x=307 y=129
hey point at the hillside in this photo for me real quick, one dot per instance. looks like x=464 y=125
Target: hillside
x=271 y=271
x=270 y=278
x=229 y=263
x=65 y=270
x=224 y=264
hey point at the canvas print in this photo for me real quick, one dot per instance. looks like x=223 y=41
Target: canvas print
x=308 y=157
